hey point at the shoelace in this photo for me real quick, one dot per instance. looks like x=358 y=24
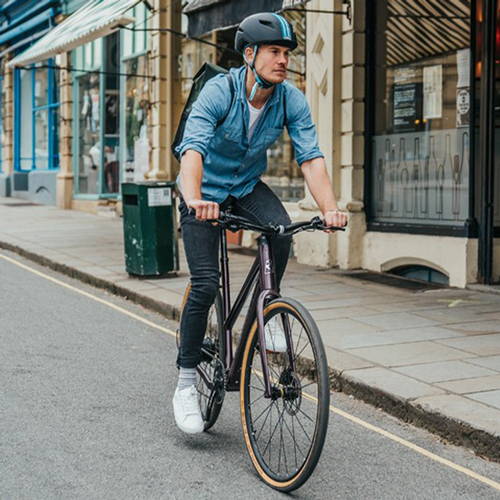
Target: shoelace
x=190 y=401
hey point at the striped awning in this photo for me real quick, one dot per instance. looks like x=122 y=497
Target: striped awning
x=95 y=19
x=416 y=29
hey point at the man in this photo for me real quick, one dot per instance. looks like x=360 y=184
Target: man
x=223 y=155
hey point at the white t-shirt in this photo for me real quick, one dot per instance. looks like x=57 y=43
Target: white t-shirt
x=254 y=116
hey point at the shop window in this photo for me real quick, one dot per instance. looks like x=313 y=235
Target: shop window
x=97 y=108
x=420 y=97
x=137 y=87
x=422 y=273
x=89 y=116
x=36 y=115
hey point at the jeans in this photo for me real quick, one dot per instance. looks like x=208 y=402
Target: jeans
x=201 y=244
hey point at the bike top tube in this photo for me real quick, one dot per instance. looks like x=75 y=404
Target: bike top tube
x=234 y=223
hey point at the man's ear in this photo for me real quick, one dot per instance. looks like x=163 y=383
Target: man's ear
x=248 y=55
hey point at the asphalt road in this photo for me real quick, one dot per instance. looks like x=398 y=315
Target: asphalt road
x=85 y=412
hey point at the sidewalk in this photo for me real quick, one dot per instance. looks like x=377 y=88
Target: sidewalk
x=432 y=358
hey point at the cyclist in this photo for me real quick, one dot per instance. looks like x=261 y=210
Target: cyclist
x=223 y=155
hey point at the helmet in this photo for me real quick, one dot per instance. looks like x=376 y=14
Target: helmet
x=264 y=28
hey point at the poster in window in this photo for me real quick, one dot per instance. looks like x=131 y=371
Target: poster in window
x=433 y=92
x=407 y=107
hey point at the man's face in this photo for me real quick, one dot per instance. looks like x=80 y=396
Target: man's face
x=271 y=63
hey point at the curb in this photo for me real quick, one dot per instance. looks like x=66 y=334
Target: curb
x=451 y=429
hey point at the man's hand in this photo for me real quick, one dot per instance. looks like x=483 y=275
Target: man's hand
x=335 y=218
x=205 y=210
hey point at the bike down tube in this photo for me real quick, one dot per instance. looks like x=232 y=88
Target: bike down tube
x=269 y=289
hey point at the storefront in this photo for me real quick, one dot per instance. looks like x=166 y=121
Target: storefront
x=29 y=146
x=427 y=163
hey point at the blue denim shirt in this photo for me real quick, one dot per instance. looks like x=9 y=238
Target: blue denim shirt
x=232 y=164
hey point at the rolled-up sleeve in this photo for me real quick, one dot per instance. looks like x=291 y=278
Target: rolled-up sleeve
x=208 y=109
x=301 y=128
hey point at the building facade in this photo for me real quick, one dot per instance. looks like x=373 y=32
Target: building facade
x=405 y=96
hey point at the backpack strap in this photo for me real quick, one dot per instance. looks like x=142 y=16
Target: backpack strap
x=231 y=88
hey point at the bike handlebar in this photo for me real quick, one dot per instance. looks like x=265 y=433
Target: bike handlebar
x=235 y=223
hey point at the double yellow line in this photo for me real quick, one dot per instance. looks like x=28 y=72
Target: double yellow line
x=389 y=435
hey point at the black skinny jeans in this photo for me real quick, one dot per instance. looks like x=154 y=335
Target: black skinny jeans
x=201 y=244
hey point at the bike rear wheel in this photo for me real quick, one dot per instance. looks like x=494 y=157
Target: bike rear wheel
x=211 y=377
x=284 y=434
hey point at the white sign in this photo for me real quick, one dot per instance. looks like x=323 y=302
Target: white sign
x=463 y=68
x=159 y=197
x=433 y=92
x=404 y=74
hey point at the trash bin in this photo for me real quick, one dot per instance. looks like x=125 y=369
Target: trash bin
x=149 y=228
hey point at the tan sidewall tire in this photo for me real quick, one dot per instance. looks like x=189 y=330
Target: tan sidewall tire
x=285 y=485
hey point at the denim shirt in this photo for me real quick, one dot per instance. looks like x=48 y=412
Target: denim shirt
x=232 y=164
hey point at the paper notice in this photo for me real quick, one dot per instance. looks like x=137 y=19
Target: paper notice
x=433 y=92
x=463 y=68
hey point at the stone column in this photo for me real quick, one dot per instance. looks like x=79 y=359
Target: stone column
x=349 y=250
x=64 y=189
x=323 y=54
x=8 y=119
x=166 y=91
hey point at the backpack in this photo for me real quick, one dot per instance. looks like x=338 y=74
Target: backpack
x=205 y=73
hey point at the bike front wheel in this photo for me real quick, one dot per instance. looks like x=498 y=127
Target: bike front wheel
x=284 y=434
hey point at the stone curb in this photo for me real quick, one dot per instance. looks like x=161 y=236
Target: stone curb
x=452 y=429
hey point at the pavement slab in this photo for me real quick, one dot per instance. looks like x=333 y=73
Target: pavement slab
x=409 y=354
x=492 y=362
x=444 y=371
x=471 y=385
x=388 y=381
x=482 y=345
x=491 y=398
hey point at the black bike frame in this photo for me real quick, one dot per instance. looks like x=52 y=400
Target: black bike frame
x=264 y=291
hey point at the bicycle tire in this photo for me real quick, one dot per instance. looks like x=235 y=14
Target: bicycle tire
x=211 y=365
x=315 y=365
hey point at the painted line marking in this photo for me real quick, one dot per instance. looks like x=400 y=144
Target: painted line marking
x=389 y=435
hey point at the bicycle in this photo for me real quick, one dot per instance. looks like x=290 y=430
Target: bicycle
x=271 y=384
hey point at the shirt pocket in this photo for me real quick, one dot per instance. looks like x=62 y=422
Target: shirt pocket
x=271 y=135
x=228 y=143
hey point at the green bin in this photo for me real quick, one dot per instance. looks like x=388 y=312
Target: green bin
x=149 y=228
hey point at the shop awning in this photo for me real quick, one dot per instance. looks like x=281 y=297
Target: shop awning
x=205 y=16
x=95 y=19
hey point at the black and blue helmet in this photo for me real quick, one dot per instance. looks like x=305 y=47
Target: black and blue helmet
x=264 y=28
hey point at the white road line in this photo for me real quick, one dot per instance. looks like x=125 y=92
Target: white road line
x=389 y=435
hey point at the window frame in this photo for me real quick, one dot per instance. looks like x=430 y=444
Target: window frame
x=52 y=106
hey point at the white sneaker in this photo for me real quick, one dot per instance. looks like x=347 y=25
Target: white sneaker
x=187 y=411
x=275 y=336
